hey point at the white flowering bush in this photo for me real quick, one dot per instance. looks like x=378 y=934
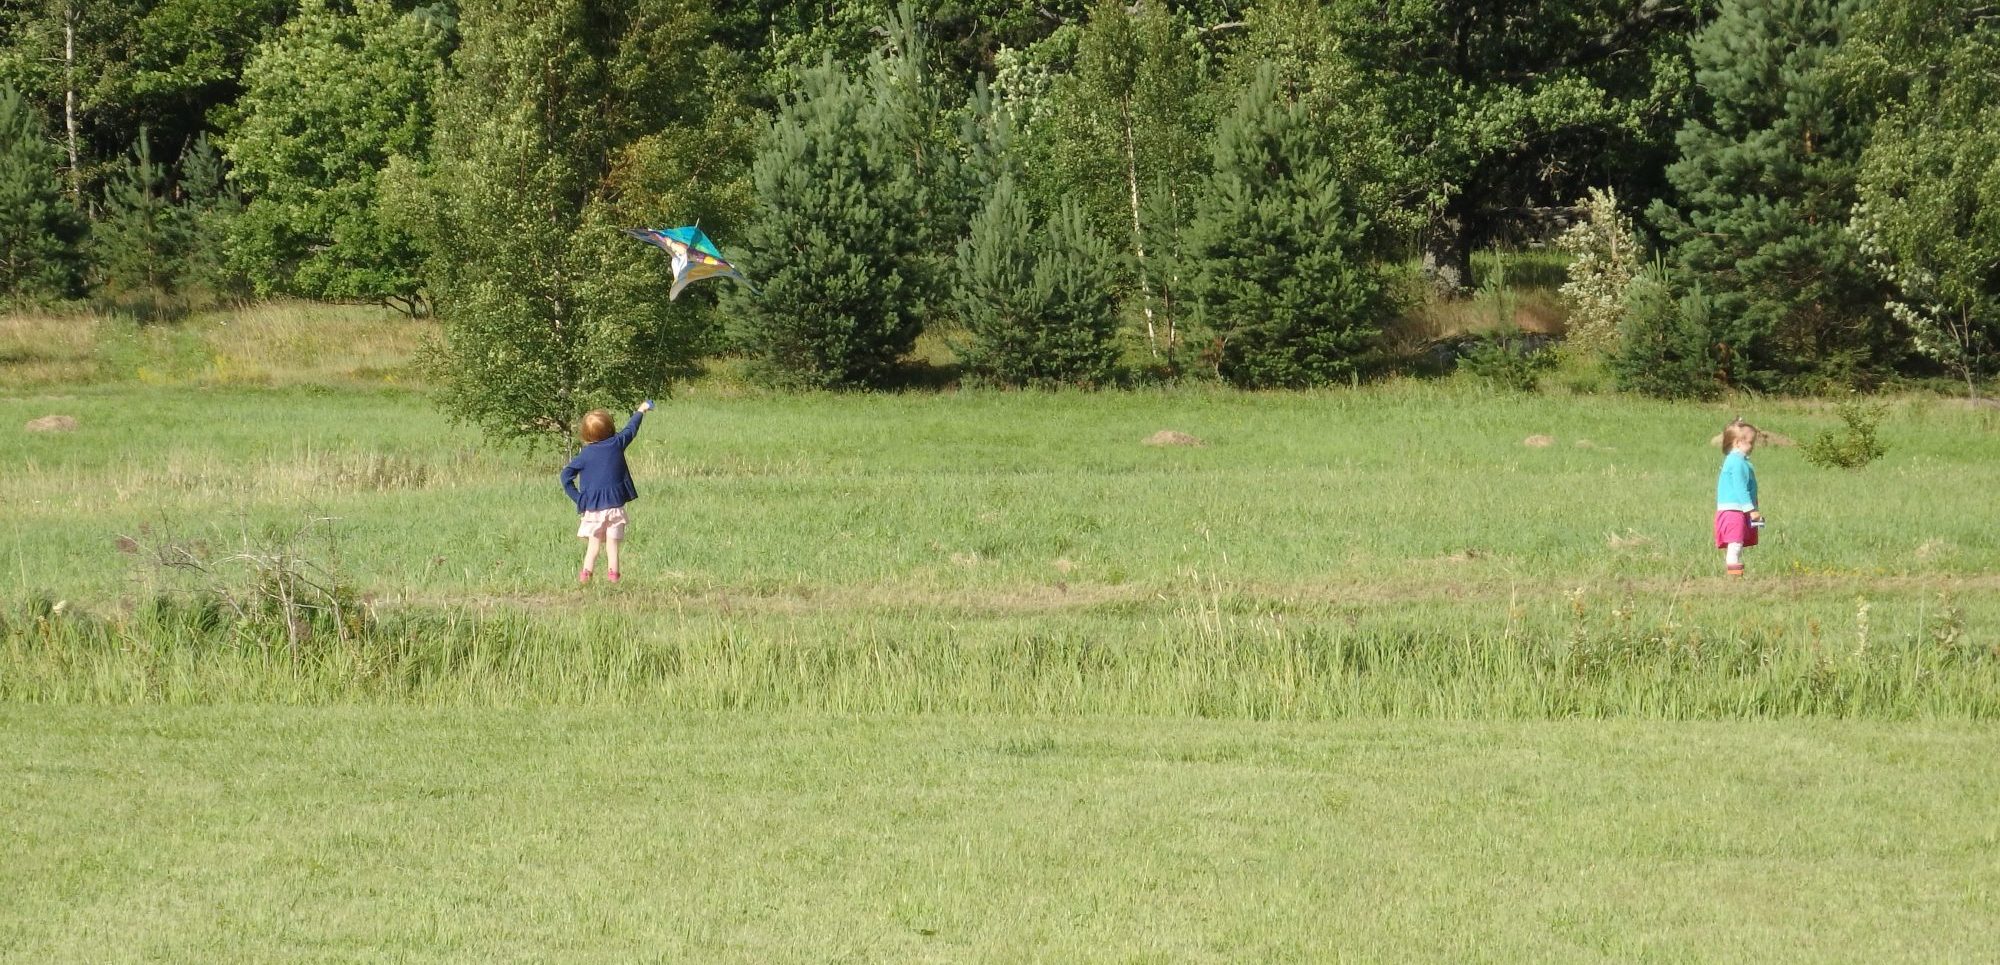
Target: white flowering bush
x=1604 y=258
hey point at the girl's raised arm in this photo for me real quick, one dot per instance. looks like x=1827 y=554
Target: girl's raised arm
x=631 y=430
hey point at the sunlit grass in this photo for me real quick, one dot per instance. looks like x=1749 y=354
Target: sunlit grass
x=916 y=545
x=269 y=343
x=258 y=833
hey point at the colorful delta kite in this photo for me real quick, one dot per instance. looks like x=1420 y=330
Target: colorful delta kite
x=695 y=257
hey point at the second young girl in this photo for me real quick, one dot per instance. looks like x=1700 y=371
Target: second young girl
x=1736 y=517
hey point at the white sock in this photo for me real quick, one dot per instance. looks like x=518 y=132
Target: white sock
x=1734 y=555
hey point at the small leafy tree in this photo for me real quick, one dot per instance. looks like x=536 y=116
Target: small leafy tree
x=1123 y=134
x=548 y=309
x=1604 y=252
x=1284 y=284
x=1854 y=444
x=40 y=231
x=1928 y=220
x=327 y=103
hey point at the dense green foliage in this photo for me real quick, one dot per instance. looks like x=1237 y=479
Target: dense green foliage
x=1282 y=281
x=327 y=102
x=1929 y=184
x=1823 y=173
x=1762 y=194
x=39 y=228
x=548 y=311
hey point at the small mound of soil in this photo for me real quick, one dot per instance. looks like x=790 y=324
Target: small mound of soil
x=52 y=423
x=1539 y=442
x=1168 y=437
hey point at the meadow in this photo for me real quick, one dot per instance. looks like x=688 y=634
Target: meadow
x=1416 y=670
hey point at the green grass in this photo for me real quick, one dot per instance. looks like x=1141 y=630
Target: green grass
x=365 y=834
x=977 y=676
x=1391 y=550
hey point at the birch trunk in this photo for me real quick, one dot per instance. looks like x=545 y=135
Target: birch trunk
x=70 y=16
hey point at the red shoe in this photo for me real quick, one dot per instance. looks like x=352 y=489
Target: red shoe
x=584 y=577
x=612 y=576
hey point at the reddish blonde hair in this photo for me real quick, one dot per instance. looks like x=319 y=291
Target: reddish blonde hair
x=1736 y=432
x=597 y=426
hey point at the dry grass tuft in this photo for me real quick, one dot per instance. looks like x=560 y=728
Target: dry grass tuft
x=1169 y=437
x=1539 y=442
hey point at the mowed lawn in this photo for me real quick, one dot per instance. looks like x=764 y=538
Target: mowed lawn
x=400 y=834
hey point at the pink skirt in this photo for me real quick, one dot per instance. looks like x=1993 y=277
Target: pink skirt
x=603 y=523
x=1733 y=526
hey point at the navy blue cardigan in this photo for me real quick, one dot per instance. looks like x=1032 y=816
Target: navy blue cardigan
x=607 y=483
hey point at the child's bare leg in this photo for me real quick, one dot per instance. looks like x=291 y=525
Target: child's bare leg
x=611 y=554
x=590 y=553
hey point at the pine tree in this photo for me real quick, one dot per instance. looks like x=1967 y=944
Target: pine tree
x=39 y=229
x=1038 y=303
x=1765 y=182
x=851 y=224
x=138 y=244
x=212 y=207
x=1284 y=285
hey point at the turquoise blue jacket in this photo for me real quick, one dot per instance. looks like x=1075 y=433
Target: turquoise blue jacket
x=1736 y=487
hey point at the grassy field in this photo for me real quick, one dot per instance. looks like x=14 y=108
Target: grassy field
x=385 y=834
x=1393 y=550
x=975 y=676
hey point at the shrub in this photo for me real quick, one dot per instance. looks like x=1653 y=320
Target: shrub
x=1507 y=361
x=1664 y=342
x=1604 y=259
x=282 y=588
x=1854 y=444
